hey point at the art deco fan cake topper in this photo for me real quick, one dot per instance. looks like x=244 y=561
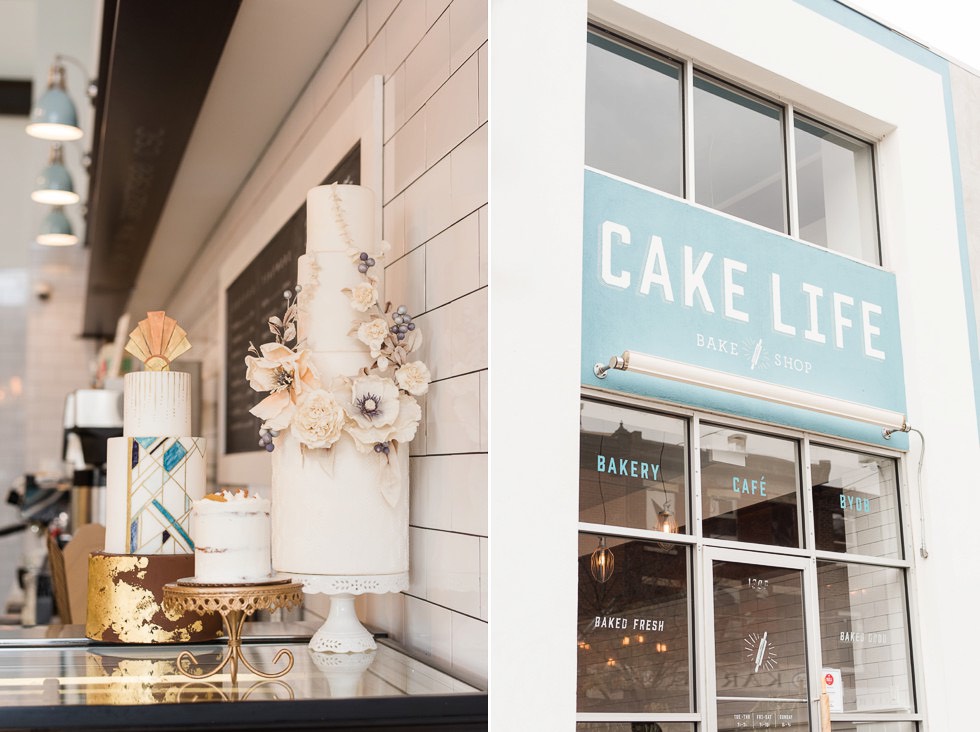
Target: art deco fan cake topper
x=157 y=341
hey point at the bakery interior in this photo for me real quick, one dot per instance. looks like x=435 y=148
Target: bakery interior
x=191 y=115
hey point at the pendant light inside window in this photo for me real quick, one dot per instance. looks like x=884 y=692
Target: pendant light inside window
x=603 y=562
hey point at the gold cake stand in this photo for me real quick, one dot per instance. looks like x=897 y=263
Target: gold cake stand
x=234 y=603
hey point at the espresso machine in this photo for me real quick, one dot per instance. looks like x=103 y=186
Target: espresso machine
x=92 y=416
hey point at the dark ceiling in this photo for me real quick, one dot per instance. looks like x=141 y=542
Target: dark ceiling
x=156 y=64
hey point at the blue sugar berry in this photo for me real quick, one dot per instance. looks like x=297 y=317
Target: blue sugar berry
x=362 y=268
x=364 y=256
x=270 y=447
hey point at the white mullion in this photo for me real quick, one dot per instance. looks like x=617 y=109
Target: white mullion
x=862 y=559
x=634 y=533
x=688 y=125
x=806 y=487
x=792 y=199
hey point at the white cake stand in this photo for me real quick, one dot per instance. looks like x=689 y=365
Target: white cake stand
x=342 y=632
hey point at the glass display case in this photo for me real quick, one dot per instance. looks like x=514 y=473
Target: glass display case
x=54 y=677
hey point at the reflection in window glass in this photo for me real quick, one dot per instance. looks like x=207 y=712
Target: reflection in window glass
x=632 y=468
x=633 y=115
x=634 y=652
x=855 y=502
x=873 y=727
x=739 y=165
x=836 y=191
x=864 y=633
x=749 y=487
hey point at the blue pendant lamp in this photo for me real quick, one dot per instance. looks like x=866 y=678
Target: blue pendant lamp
x=54 y=184
x=53 y=117
x=56 y=229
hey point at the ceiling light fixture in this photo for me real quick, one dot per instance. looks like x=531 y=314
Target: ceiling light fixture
x=54 y=185
x=56 y=229
x=53 y=116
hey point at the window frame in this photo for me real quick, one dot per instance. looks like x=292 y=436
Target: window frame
x=689 y=68
x=702 y=547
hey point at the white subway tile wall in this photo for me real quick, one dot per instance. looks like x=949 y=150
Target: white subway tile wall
x=433 y=57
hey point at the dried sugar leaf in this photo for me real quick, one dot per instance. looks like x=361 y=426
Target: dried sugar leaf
x=216 y=497
x=290 y=333
x=274 y=320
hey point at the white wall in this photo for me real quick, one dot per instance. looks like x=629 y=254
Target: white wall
x=433 y=57
x=537 y=153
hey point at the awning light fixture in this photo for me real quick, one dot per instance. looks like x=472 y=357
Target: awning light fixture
x=664 y=368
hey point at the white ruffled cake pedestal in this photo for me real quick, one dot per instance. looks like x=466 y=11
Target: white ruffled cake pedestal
x=342 y=632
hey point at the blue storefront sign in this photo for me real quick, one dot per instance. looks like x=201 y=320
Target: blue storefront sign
x=670 y=279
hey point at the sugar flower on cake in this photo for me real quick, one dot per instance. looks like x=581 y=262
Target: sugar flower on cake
x=283 y=371
x=363 y=296
x=380 y=414
x=373 y=333
x=318 y=420
x=414 y=378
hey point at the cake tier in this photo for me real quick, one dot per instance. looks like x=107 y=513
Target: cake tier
x=324 y=317
x=151 y=485
x=231 y=541
x=332 y=519
x=157 y=403
x=125 y=596
x=339 y=217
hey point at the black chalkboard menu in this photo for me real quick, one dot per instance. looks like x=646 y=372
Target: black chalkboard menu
x=254 y=297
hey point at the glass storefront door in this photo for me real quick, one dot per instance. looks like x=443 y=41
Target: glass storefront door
x=757 y=641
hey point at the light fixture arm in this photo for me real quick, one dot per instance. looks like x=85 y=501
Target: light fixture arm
x=57 y=73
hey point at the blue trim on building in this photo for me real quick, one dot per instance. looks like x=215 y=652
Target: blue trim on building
x=875 y=31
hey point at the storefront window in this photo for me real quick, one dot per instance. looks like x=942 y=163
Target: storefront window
x=749 y=487
x=739 y=166
x=836 y=191
x=633 y=125
x=873 y=727
x=864 y=635
x=634 y=637
x=632 y=468
x=855 y=502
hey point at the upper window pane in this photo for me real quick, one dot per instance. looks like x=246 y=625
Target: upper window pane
x=633 y=115
x=749 y=487
x=836 y=191
x=739 y=165
x=855 y=502
x=632 y=468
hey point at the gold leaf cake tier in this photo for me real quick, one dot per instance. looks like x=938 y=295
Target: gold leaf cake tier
x=125 y=600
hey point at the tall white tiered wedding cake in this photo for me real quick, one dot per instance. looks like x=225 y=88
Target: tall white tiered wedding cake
x=340 y=413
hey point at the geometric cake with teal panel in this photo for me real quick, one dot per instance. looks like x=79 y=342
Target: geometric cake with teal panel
x=160 y=471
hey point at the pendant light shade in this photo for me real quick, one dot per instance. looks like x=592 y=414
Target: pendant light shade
x=54 y=185
x=53 y=116
x=603 y=562
x=666 y=522
x=56 y=230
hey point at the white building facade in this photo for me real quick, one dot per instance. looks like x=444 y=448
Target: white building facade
x=771 y=203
